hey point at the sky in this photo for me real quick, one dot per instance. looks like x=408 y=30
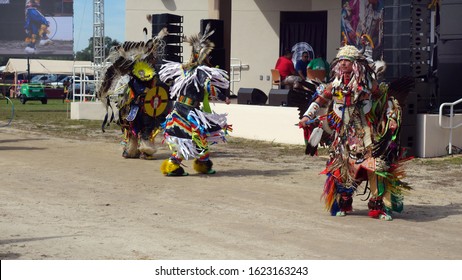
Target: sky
x=114 y=21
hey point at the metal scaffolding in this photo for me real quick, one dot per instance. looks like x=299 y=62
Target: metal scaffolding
x=98 y=37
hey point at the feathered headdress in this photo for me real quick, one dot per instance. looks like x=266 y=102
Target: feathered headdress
x=137 y=58
x=363 y=70
x=348 y=52
x=134 y=58
x=201 y=46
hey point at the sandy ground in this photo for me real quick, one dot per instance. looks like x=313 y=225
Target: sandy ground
x=79 y=199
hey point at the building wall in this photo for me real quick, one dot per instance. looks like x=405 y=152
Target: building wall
x=254 y=29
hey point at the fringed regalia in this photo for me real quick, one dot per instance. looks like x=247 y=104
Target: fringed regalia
x=142 y=100
x=362 y=125
x=192 y=126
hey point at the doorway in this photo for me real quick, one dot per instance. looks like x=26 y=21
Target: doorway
x=304 y=27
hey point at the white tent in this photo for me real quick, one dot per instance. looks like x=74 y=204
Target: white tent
x=43 y=66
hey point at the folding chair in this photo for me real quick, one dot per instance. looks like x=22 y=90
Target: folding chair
x=316 y=75
x=275 y=78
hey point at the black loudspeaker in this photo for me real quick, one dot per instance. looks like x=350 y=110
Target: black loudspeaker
x=173 y=49
x=449 y=57
x=450 y=20
x=407 y=138
x=425 y=97
x=218 y=36
x=166 y=18
x=173 y=57
x=171 y=28
x=279 y=97
x=173 y=39
x=409 y=109
x=252 y=96
x=396 y=38
x=217 y=58
x=171 y=22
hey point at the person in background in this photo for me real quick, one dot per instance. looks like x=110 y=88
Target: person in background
x=320 y=63
x=11 y=93
x=285 y=66
x=302 y=64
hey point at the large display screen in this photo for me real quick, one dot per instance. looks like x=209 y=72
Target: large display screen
x=36 y=28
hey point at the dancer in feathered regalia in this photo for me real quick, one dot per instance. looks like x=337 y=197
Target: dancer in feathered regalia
x=143 y=101
x=192 y=126
x=362 y=123
x=36 y=27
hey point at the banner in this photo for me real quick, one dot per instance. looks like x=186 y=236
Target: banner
x=363 y=17
x=229 y=269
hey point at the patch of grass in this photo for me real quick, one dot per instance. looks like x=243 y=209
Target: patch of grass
x=6 y=111
x=54 y=119
x=441 y=161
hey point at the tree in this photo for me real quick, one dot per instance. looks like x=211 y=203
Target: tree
x=87 y=53
x=3 y=60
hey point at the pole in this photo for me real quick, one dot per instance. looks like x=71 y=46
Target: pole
x=28 y=69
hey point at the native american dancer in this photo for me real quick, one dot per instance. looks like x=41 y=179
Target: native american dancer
x=362 y=124
x=36 y=27
x=190 y=128
x=143 y=100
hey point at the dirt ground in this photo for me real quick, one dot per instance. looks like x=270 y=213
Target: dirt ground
x=79 y=199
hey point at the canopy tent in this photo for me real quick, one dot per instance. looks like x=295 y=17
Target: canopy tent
x=43 y=66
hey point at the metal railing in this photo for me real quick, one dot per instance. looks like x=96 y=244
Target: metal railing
x=451 y=126
x=236 y=68
x=87 y=86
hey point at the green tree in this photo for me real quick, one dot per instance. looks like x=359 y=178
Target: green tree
x=4 y=60
x=87 y=53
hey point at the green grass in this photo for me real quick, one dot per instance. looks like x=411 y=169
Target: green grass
x=52 y=118
x=440 y=161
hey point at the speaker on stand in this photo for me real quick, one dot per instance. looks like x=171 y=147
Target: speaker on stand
x=173 y=49
x=396 y=33
x=217 y=56
x=449 y=52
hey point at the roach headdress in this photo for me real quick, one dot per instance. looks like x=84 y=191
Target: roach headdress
x=201 y=46
x=135 y=58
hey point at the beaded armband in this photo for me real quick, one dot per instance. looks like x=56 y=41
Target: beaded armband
x=311 y=112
